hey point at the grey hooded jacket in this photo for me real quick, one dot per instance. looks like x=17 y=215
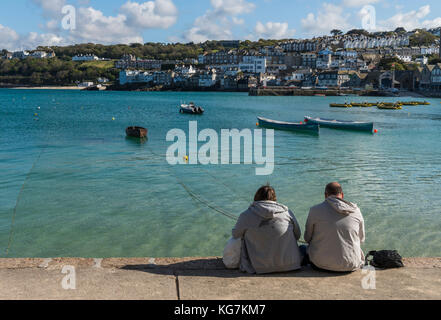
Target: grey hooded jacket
x=269 y=233
x=335 y=231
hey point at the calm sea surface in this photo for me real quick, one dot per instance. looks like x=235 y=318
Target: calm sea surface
x=72 y=184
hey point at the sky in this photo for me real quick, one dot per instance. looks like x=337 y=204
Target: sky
x=26 y=24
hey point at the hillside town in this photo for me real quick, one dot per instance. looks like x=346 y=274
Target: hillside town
x=387 y=61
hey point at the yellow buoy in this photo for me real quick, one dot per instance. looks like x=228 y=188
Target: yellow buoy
x=113 y=118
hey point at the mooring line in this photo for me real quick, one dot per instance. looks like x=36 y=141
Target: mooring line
x=195 y=196
x=14 y=213
x=203 y=201
x=226 y=186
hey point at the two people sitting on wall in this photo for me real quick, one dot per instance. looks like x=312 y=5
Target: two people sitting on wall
x=266 y=235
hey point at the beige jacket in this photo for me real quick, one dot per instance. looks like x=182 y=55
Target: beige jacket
x=335 y=231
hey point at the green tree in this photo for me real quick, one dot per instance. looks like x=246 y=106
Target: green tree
x=422 y=38
x=336 y=32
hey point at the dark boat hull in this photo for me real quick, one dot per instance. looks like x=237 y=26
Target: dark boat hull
x=289 y=126
x=136 y=132
x=344 y=125
x=187 y=111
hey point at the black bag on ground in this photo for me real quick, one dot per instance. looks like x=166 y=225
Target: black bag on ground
x=385 y=259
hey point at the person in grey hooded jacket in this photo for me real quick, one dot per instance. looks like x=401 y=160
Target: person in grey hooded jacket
x=269 y=233
x=335 y=231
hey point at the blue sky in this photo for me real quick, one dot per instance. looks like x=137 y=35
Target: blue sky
x=28 y=23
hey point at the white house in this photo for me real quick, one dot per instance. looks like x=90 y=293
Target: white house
x=253 y=64
x=404 y=58
x=87 y=57
x=422 y=61
x=20 y=54
x=295 y=76
x=127 y=76
x=85 y=84
x=39 y=54
x=435 y=78
x=207 y=79
x=429 y=50
x=324 y=59
x=185 y=71
x=102 y=80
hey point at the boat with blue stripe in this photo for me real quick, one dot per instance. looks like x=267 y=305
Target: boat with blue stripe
x=289 y=126
x=341 y=124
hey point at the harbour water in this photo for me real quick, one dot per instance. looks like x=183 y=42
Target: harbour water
x=72 y=184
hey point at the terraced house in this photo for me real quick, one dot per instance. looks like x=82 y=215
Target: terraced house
x=435 y=78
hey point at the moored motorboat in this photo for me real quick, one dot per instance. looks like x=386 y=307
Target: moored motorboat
x=389 y=106
x=409 y=103
x=340 y=105
x=416 y=103
x=341 y=124
x=362 y=104
x=136 y=132
x=289 y=126
x=191 y=108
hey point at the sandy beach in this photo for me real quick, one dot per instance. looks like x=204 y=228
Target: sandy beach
x=48 y=88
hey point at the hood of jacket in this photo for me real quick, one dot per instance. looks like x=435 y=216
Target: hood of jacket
x=267 y=209
x=342 y=206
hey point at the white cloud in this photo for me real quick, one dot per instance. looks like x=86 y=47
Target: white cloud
x=34 y=39
x=216 y=23
x=232 y=7
x=273 y=30
x=51 y=8
x=8 y=37
x=11 y=40
x=410 y=20
x=358 y=3
x=238 y=21
x=205 y=28
x=329 y=17
x=150 y=14
x=92 y=25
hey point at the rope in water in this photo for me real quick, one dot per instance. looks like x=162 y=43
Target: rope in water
x=215 y=208
x=203 y=201
x=14 y=213
x=194 y=196
x=226 y=186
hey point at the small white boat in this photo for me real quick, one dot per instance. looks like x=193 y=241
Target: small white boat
x=191 y=108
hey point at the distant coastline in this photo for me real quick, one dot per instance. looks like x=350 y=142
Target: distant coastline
x=46 y=88
x=252 y=91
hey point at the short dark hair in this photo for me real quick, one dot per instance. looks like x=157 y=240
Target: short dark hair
x=265 y=193
x=333 y=189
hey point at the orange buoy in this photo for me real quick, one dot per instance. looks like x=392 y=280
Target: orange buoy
x=257 y=124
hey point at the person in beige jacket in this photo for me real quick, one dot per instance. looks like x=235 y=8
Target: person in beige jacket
x=334 y=232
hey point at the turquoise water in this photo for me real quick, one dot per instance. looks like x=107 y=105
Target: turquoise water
x=81 y=188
